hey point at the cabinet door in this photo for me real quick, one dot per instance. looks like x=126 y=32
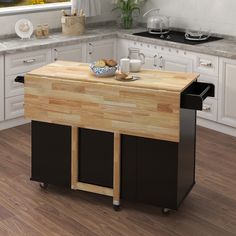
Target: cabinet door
x=68 y=53
x=1 y=88
x=101 y=49
x=227 y=92
x=175 y=63
x=51 y=153
x=151 y=59
x=149 y=171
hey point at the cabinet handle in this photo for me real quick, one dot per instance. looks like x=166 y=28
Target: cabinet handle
x=56 y=54
x=155 y=61
x=205 y=63
x=206 y=107
x=162 y=62
x=90 y=49
x=30 y=61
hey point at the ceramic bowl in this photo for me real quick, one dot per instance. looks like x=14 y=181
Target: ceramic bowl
x=103 y=71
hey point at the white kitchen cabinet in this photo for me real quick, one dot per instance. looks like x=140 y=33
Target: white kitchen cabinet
x=69 y=53
x=14 y=107
x=227 y=92
x=19 y=64
x=164 y=58
x=206 y=64
x=1 y=88
x=26 y=61
x=101 y=49
x=173 y=62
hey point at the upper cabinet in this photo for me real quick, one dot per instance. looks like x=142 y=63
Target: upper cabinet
x=69 y=53
x=227 y=92
x=103 y=49
x=1 y=88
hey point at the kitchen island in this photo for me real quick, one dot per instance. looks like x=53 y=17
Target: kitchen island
x=129 y=140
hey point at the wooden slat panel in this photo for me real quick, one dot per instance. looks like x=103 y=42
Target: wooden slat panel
x=94 y=189
x=116 y=169
x=127 y=110
x=74 y=157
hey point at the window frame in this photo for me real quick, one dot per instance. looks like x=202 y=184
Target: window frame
x=7 y=11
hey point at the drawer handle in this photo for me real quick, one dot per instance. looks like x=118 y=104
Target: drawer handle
x=206 y=63
x=206 y=107
x=30 y=61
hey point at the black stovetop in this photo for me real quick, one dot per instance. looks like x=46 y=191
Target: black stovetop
x=176 y=36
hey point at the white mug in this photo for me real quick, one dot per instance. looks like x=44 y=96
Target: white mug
x=125 y=65
x=135 y=65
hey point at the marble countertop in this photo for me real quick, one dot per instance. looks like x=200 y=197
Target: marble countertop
x=223 y=48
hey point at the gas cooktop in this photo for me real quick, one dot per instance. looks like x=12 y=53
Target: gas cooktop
x=176 y=36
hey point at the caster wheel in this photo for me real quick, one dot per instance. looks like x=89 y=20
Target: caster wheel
x=165 y=211
x=116 y=207
x=43 y=185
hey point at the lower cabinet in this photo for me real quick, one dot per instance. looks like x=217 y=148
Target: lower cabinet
x=69 y=53
x=95 y=157
x=1 y=88
x=155 y=172
x=227 y=92
x=51 y=154
x=14 y=107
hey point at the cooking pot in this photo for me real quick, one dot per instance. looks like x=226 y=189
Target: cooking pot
x=156 y=23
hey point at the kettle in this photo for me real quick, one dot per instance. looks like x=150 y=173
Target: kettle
x=156 y=23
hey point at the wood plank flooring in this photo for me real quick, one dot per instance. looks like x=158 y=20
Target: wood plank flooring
x=25 y=209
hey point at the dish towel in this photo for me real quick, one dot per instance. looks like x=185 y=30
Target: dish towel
x=90 y=7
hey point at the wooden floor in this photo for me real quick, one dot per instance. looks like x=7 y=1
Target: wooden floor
x=25 y=209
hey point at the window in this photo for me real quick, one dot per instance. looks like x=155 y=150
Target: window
x=14 y=3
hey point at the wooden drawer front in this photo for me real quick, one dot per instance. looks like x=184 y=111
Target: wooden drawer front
x=24 y=62
x=209 y=110
x=206 y=64
x=13 y=88
x=14 y=107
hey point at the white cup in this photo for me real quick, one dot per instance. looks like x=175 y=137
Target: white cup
x=135 y=65
x=125 y=65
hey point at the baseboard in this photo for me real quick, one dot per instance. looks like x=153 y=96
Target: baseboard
x=13 y=123
x=216 y=126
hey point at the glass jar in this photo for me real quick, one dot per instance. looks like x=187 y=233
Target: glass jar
x=126 y=20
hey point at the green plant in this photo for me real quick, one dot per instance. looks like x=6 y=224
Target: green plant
x=127 y=7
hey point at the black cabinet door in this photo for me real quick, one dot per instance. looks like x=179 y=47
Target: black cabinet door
x=51 y=153
x=96 y=157
x=149 y=171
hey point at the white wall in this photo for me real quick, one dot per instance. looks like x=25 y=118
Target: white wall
x=52 y=18
x=217 y=15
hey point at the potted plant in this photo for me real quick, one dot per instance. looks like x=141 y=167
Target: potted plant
x=127 y=7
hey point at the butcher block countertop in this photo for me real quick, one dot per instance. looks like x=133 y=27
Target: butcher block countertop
x=68 y=93
x=149 y=79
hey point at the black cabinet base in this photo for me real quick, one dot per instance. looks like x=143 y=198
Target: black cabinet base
x=155 y=172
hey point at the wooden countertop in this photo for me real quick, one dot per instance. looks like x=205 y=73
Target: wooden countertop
x=150 y=79
x=67 y=93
